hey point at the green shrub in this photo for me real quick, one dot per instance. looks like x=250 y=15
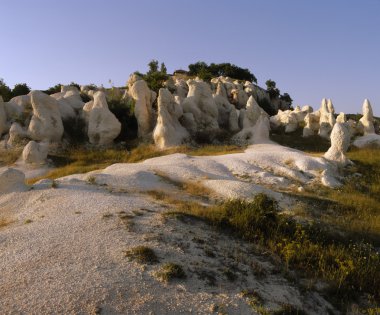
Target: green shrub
x=20 y=89
x=171 y=271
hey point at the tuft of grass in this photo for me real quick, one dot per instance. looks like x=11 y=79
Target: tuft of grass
x=8 y=157
x=142 y=254
x=4 y=222
x=170 y=271
x=28 y=221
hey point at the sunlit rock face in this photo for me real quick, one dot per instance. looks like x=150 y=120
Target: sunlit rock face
x=103 y=126
x=340 y=141
x=365 y=125
x=46 y=123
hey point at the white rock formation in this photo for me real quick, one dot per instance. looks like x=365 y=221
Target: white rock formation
x=311 y=125
x=168 y=131
x=46 y=123
x=17 y=135
x=227 y=114
x=340 y=141
x=19 y=107
x=341 y=118
x=239 y=97
x=11 y=180
x=35 y=153
x=367 y=141
x=326 y=119
x=69 y=96
x=255 y=125
x=286 y=118
x=365 y=124
x=143 y=106
x=3 y=118
x=103 y=126
x=201 y=104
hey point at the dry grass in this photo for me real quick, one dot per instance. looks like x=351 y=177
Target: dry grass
x=8 y=157
x=5 y=222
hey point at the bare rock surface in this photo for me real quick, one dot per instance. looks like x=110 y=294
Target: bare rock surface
x=168 y=131
x=11 y=180
x=103 y=126
x=70 y=258
x=46 y=123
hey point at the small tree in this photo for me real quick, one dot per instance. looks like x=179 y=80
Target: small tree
x=153 y=66
x=163 y=68
x=20 y=89
x=5 y=91
x=272 y=89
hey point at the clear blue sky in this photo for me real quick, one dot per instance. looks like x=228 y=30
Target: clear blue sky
x=312 y=49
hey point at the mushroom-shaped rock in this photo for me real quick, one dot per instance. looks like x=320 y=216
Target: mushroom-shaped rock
x=103 y=126
x=143 y=106
x=365 y=124
x=340 y=141
x=3 y=118
x=46 y=123
x=201 y=104
x=35 y=153
x=11 y=180
x=168 y=131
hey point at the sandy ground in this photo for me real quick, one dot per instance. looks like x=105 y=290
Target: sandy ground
x=63 y=253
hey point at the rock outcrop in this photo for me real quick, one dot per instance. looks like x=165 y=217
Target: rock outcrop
x=46 y=123
x=201 y=105
x=3 y=118
x=144 y=98
x=365 y=125
x=255 y=125
x=11 y=180
x=17 y=135
x=311 y=125
x=35 y=153
x=326 y=119
x=168 y=131
x=340 y=141
x=103 y=126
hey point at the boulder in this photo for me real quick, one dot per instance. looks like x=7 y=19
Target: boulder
x=365 y=125
x=17 y=135
x=19 y=108
x=103 y=126
x=35 y=153
x=168 y=131
x=286 y=118
x=201 y=104
x=3 y=118
x=340 y=141
x=11 y=180
x=144 y=98
x=46 y=123
x=311 y=125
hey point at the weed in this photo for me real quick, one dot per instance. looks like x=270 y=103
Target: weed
x=28 y=221
x=142 y=254
x=170 y=271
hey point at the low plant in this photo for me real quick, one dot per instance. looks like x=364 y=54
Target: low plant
x=170 y=271
x=142 y=254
